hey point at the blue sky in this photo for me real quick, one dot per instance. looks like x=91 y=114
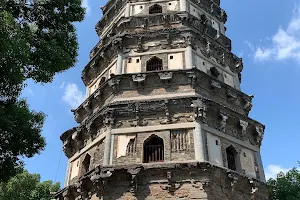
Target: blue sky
x=265 y=33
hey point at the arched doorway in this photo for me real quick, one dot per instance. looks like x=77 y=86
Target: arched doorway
x=154 y=64
x=155 y=9
x=231 y=158
x=154 y=149
x=86 y=164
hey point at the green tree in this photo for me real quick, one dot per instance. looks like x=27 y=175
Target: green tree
x=285 y=186
x=25 y=186
x=37 y=40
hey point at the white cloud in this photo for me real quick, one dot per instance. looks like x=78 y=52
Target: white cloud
x=284 y=44
x=62 y=85
x=262 y=54
x=273 y=170
x=250 y=45
x=85 y=4
x=72 y=95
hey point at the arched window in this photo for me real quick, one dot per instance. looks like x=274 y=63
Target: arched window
x=155 y=9
x=153 y=149
x=130 y=147
x=86 y=164
x=214 y=72
x=231 y=157
x=103 y=79
x=154 y=64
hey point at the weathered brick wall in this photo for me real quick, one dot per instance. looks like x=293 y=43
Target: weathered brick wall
x=171 y=181
x=96 y=153
x=189 y=153
x=137 y=157
x=97 y=157
x=140 y=139
x=204 y=184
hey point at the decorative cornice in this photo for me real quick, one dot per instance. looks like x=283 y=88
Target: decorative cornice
x=106 y=113
x=113 y=8
x=139 y=81
x=164 y=19
x=125 y=111
x=203 y=36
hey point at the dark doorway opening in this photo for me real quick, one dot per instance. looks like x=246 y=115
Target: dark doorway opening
x=86 y=164
x=154 y=64
x=155 y=9
x=230 y=152
x=154 y=150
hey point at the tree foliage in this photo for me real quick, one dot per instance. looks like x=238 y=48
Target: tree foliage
x=37 y=41
x=27 y=186
x=20 y=135
x=285 y=186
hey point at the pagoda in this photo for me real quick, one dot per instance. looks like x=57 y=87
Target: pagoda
x=164 y=116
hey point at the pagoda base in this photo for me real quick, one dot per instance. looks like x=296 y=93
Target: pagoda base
x=170 y=181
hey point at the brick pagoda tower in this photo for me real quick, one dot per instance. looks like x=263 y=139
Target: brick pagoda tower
x=164 y=116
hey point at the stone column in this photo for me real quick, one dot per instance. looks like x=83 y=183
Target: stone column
x=183 y=5
x=107 y=146
x=111 y=150
x=127 y=10
x=119 y=63
x=199 y=142
x=189 y=57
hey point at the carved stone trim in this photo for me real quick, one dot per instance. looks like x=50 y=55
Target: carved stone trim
x=106 y=173
x=232 y=96
x=108 y=117
x=172 y=185
x=77 y=117
x=139 y=79
x=167 y=112
x=260 y=133
x=215 y=85
x=114 y=84
x=239 y=65
x=165 y=77
x=208 y=49
x=67 y=148
x=244 y=126
x=76 y=137
x=247 y=104
x=223 y=122
x=98 y=95
x=192 y=79
x=200 y=109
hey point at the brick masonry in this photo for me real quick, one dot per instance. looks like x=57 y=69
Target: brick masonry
x=169 y=156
